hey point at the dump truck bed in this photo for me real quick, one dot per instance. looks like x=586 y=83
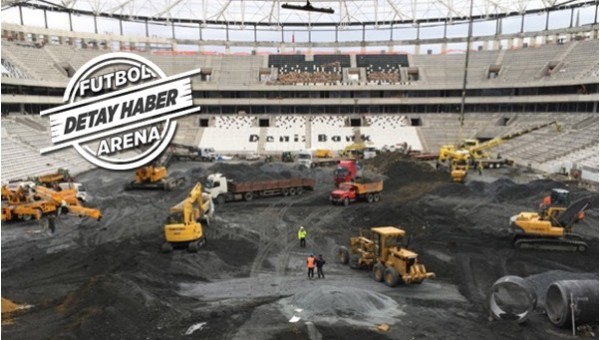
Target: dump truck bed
x=368 y=187
x=272 y=184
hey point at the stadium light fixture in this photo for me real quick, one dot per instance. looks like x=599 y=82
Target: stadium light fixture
x=309 y=8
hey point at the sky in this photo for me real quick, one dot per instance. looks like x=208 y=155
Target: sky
x=533 y=22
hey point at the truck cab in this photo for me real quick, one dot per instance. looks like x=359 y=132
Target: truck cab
x=217 y=187
x=347 y=171
x=344 y=194
x=305 y=158
x=208 y=154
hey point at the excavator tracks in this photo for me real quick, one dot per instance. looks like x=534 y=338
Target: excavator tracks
x=552 y=244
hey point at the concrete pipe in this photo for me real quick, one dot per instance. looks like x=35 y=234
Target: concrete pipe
x=511 y=298
x=585 y=298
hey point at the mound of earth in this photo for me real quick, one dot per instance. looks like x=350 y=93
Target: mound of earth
x=332 y=303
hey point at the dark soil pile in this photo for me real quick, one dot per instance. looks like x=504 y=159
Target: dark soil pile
x=108 y=279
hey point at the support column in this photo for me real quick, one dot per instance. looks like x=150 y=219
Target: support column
x=95 y=24
x=496 y=44
x=21 y=14
x=70 y=22
x=45 y=19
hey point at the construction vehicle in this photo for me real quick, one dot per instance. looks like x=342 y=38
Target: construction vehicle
x=223 y=190
x=323 y=153
x=552 y=227
x=67 y=201
x=155 y=176
x=385 y=255
x=474 y=152
x=182 y=152
x=287 y=157
x=306 y=158
x=347 y=170
x=184 y=226
x=40 y=201
x=459 y=170
x=354 y=191
x=353 y=150
x=20 y=204
x=479 y=151
x=51 y=180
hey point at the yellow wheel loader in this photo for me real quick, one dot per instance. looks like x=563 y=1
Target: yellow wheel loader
x=183 y=228
x=385 y=256
x=552 y=227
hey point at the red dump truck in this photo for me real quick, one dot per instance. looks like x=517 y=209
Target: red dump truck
x=224 y=190
x=347 y=192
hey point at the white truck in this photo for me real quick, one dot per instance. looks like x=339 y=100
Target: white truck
x=223 y=190
x=309 y=160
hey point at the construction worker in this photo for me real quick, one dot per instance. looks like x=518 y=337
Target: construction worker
x=302 y=237
x=320 y=262
x=480 y=168
x=310 y=263
x=546 y=202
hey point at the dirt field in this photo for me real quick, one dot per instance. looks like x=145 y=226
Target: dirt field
x=108 y=279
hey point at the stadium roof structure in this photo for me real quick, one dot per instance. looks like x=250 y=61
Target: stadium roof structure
x=270 y=13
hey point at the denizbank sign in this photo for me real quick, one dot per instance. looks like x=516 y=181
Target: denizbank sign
x=120 y=102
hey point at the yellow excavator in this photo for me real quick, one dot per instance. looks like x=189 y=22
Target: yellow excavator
x=184 y=226
x=155 y=176
x=552 y=227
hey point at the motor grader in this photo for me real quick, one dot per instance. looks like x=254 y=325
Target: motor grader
x=384 y=254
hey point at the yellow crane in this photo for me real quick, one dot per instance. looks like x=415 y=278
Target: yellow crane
x=67 y=201
x=183 y=227
x=473 y=152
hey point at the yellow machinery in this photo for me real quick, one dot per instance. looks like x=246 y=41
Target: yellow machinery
x=353 y=150
x=479 y=152
x=552 y=227
x=41 y=201
x=473 y=152
x=21 y=205
x=50 y=180
x=460 y=168
x=183 y=226
x=323 y=153
x=384 y=254
x=67 y=201
x=155 y=176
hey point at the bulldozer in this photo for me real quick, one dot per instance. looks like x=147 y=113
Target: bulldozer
x=155 y=176
x=183 y=226
x=552 y=227
x=384 y=254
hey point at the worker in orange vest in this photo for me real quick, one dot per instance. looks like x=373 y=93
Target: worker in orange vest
x=310 y=263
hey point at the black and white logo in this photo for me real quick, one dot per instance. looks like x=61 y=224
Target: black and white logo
x=119 y=110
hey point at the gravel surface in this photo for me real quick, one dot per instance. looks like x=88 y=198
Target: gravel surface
x=108 y=279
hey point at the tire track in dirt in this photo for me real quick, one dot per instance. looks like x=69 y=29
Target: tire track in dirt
x=282 y=238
